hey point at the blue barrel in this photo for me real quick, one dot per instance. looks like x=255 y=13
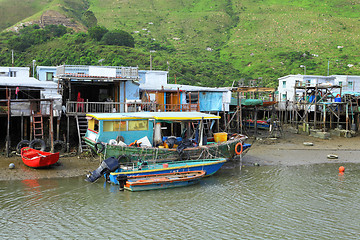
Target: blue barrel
x=312 y=99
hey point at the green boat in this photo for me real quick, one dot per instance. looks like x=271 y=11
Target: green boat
x=132 y=137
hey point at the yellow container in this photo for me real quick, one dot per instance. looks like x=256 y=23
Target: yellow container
x=220 y=137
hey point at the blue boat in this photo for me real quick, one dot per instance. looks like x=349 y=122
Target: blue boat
x=210 y=166
x=163 y=181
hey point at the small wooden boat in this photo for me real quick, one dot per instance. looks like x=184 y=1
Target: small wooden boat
x=210 y=166
x=260 y=124
x=163 y=181
x=36 y=158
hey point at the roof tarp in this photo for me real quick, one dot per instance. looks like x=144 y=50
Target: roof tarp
x=171 y=116
x=211 y=101
x=251 y=102
x=247 y=102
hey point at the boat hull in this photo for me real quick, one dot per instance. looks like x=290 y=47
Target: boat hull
x=210 y=166
x=163 y=181
x=215 y=150
x=260 y=124
x=36 y=159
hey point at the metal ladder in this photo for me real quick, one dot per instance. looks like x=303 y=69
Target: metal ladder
x=82 y=127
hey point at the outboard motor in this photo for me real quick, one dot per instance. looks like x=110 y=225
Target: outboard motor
x=107 y=166
x=121 y=178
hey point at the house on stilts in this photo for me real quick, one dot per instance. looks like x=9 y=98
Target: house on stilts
x=28 y=108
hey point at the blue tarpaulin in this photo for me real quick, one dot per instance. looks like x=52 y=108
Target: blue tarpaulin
x=211 y=101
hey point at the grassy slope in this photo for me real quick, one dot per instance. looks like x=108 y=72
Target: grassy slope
x=13 y=11
x=186 y=24
x=265 y=30
x=261 y=39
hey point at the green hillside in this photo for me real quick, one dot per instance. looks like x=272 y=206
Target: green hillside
x=203 y=42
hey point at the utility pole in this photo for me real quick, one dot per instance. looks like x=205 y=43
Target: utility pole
x=33 y=61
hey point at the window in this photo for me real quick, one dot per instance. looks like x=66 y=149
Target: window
x=93 y=125
x=114 y=126
x=350 y=85
x=119 y=126
x=49 y=76
x=284 y=84
x=284 y=96
x=12 y=74
x=140 y=125
x=340 y=84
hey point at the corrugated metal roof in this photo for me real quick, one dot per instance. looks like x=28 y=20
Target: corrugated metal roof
x=26 y=82
x=172 y=116
x=186 y=88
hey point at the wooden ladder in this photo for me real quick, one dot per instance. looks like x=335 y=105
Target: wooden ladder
x=38 y=126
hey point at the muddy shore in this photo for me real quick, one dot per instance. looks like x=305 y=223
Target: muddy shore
x=67 y=166
x=293 y=149
x=287 y=150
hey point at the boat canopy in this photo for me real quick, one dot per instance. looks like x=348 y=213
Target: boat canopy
x=169 y=116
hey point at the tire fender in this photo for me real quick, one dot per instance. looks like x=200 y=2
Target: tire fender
x=35 y=142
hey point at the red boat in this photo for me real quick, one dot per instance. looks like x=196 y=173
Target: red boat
x=36 y=158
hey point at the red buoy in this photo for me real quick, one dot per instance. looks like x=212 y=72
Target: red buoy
x=341 y=169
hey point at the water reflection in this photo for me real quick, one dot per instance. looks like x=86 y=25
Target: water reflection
x=303 y=202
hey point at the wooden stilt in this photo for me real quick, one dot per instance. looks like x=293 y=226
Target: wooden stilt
x=8 y=123
x=51 y=126
x=68 y=135
x=58 y=128
x=237 y=113
x=22 y=126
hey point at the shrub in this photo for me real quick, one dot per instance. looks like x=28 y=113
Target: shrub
x=119 y=38
x=97 y=32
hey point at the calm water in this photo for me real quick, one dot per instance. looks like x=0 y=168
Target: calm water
x=304 y=202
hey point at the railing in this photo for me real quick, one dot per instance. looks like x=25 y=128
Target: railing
x=107 y=107
x=73 y=107
x=128 y=72
x=28 y=107
x=178 y=107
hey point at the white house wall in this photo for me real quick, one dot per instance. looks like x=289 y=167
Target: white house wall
x=102 y=71
x=286 y=93
x=19 y=71
x=348 y=83
x=154 y=79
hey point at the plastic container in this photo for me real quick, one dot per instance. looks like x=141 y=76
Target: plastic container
x=337 y=99
x=165 y=165
x=312 y=99
x=220 y=137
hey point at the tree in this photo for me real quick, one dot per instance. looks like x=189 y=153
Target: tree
x=119 y=38
x=56 y=30
x=89 y=19
x=97 y=32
